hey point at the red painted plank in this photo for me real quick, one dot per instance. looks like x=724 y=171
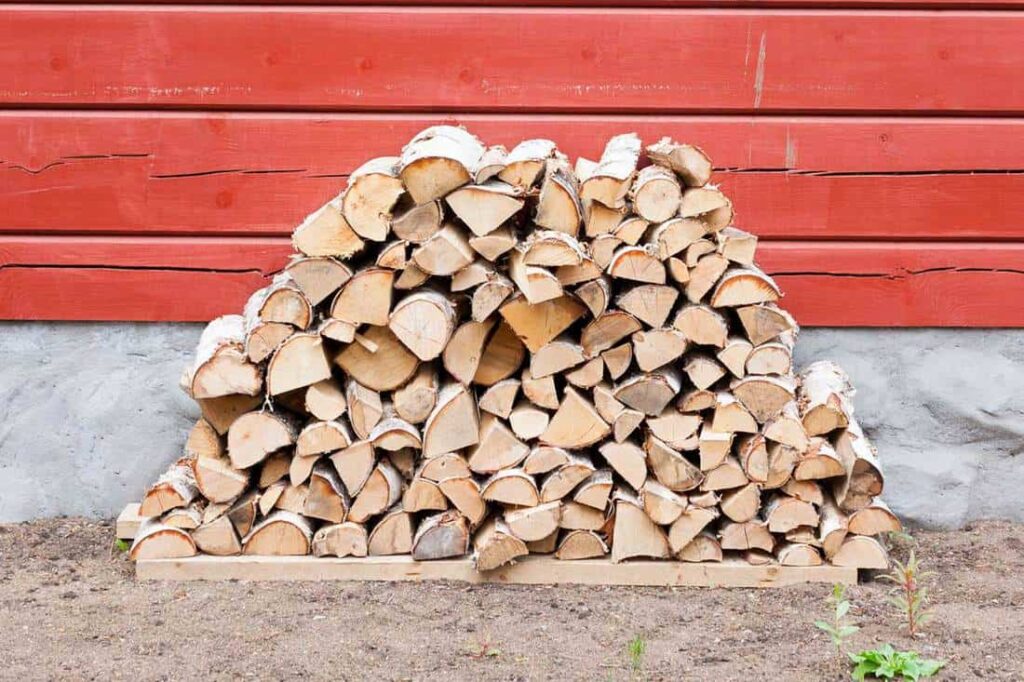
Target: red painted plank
x=826 y=284
x=632 y=4
x=475 y=59
x=261 y=173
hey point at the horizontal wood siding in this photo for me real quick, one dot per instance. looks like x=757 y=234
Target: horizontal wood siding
x=153 y=158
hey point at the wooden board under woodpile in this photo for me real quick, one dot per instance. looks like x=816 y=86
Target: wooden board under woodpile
x=495 y=353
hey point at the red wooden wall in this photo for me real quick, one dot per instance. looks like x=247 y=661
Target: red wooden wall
x=154 y=158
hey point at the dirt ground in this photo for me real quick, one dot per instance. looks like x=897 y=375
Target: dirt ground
x=72 y=610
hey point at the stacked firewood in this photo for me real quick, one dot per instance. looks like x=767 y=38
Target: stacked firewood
x=496 y=353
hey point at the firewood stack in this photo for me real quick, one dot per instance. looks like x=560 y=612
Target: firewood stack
x=495 y=353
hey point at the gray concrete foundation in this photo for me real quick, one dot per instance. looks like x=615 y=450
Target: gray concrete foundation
x=92 y=413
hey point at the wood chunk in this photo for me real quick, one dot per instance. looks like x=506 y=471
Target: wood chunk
x=438 y=160
x=617 y=360
x=423 y=495
x=820 y=461
x=688 y=526
x=217 y=480
x=464 y=494
x=650 y=392
x=784 y=513
x=708 y=205
x=282 y=533
x=704 y=547
x=702 y=325
x=649 y=303
x=576 y=424
x=500 y=397
x=656 y=194
x=660 y=503
x=736 y=245
x=742 y=504
x=495 y=244
x=559 y=206
x=327 y=499
x=341 y=540
x=765 y=397
x=483 y=208
x=453 y=423
x=392 y=535
x=670 y=467
x=488 y=297
x=365 y=408
x=595 y=491
x=221 y=412
x=581 y=544
x=743 y=287
x=441 y=536
x=861 y=551
x=541 y=392
x=587 y=375
x=690 y=163
x=675 y=428
x=372 y=191
x=556 y=357
x=862 y=480
x=494 y=545
x=765 y=322
x=703 y=277
x=385 y=369
x=696 y=400
x=545 y=458
x=424 y=322
x=203 y=441
x=703 y=370
x=325 y=400
x=221 y=367
x=441 y=467
x=445 y=252
x=175 y=488
x=380 y=492
x=502 y=357
x=393 y=255
x=635 y=264
x=787 y=428
x=526 y=161
x=752 y=452
x=535 y=283
x=298 y=362
x=770 y=358
x=729 y=474
x=217 y=537
x=325 y=232
x=528 y=421
x=749 y=535
x=255 y=435
x=414 y=401
x=797 y=554
x=156 y=540
x=607 y=330
x=576 y=516
x=655 y=348
x=412 y=276
x=464 y=351
x=635 y=534
x=512 y=487
x=565 y=478
x=365 y=298
x=394 y=434
x=825 y=398
x=714 y=447
x=874 y=519
x=731 y=416
x=532 y=524
x=673 y=237
x=628 y=421
x=537 y=325
x=497 y=447
x=548 y=248
x=609 y=181
x=734 y=355
x=417 y=224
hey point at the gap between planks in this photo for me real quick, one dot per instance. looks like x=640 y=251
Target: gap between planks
x=536 y=570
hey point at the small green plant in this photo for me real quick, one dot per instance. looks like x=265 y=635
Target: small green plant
x=889 y=664
x=121 y=545
x=636 y=648
x=483 y=649
x=909 y=595
x=839 y=630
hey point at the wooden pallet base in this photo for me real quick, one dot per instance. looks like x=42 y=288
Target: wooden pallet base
x=535 y=570
x=532 y=570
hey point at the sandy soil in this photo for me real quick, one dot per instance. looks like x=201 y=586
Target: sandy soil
x=71 y=610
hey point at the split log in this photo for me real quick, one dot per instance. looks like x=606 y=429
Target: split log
x=298 y=362
x=365 y=408
x=606 y=330
x=556 y=357
x=749 y=535
x=765 y=322
x=217 y=480
x=820 y=461
x=452 y=425
x=221 y=367
x=576 y=424
x=704 y=275
x=441 y=536
x=743 y=287
x=551 y=249
x=874 y=519
x=217 y=537
x=565 y=478
x=155 y=540
x=713 y=446
x=282 y=533
x=690 y=163
x=492 y=163
x=764 y=397
x=448 y=465
x=541 y=392
x=512 y=487
x=770 y=358
x=416 y=224
x=495 y=244
x=365 y=298
x=676 y=429
x=577 y=516
x=752 y=452
x=325 y=400
x=655 y=348
x=862 y=480
x=618 y=360
x=736 y=245
x=650 y=392
x=787 y=428
x=704 y=547
x=318 y=277
x=489 y=296
x=494 y=545
x=445 y=252
x=341 y=540
x=497 y=447
x=255 y=435
x=464 y=494
x=688 y=526
x=465 y=349
x=392 y=535
x=532 y=524
x=636 y=264
x=500 y=398
x=175 y=488
x=423 y=495
x=734 y=356
x=541 y=323
x=222 y=412
x=784 y=513
x=670 y=467
x=558 y=206
x=388 y=367
x=742 y=504
x=703 y=370
x=424 y=322
x=581 y=544
x=380 y=492
x=373 y=189
x=825 y=398
x=702 y=325
x=609 y=181
x=731 y=416
x=535 y=283
x=587 y=375
x=484 y=208
x=327 y=499
x=203 y=441
x=628 y=421
x=729 y=474
x=325 y=232
x=414 y=401
x=797 y=554
x=438 y=160
x=544 y=458
x=501 y=358
x=660 y=503
x=596 y=490
x=528 y=421
x=635 y=534
x=861 y=551
x=656 y=194
x=708 y=205
x=526 y=161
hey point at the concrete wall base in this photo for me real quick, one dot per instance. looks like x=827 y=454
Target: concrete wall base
x=93 y=414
